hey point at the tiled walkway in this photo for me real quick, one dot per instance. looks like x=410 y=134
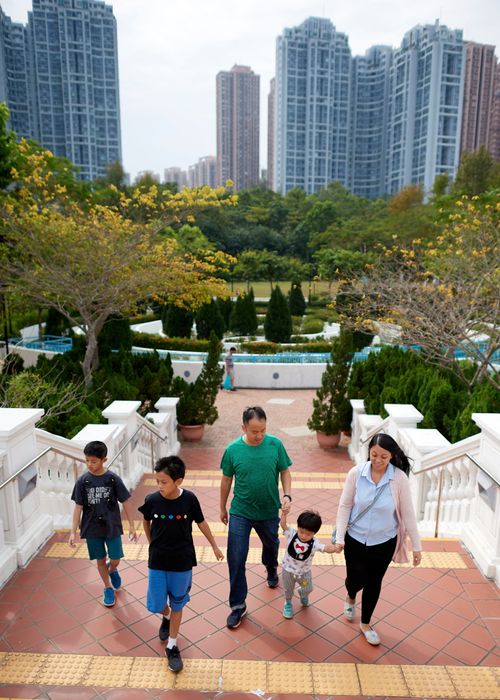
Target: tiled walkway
x=57 y=641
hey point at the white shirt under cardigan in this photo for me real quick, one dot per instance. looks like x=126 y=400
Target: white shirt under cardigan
x=386 y=519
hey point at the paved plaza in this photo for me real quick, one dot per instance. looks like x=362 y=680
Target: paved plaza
x=439 y=623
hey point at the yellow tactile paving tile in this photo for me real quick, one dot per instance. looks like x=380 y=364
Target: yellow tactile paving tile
x=297 y=484
x=151 y=673
x=289 y=677
x=335 y=679
x=244 y=676
x=199 y=674
x=260 y=677
x=474 y=683
x=139 y=552
x=204 y=473
x=433 y=681
x=382 y=680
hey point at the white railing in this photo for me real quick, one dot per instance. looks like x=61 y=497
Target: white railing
x=455 y=487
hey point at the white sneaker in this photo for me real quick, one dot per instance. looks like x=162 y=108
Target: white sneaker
x=371 y=636
x=349 y=610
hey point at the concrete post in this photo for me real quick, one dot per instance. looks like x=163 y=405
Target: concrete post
x=24 y=527
x=168 y=404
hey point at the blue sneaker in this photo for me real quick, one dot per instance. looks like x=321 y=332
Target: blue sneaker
x=115 y=578
x=288 y=610
x=304 y=600
x=109 y=597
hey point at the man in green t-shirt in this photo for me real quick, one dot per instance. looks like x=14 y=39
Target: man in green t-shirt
x=256 y=461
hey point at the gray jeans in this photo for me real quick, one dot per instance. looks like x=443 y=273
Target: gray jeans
x=304 y=582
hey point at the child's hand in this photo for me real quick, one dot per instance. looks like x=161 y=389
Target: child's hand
x=337 y=548
x=132 y=535
x=218 y=554
x=71 y=540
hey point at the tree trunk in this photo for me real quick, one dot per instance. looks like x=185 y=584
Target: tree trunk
x=91 y=359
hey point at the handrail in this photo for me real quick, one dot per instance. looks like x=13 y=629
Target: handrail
x=459 y=456
x=374 y=431
x=35 y=459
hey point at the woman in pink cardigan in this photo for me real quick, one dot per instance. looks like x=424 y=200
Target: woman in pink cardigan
x=375 y=516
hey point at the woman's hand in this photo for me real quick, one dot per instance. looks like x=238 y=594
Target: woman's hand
x=417 y=558
x=337 y=548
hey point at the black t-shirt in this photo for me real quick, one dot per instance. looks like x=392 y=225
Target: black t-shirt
x=171 y=547
x=99 y=496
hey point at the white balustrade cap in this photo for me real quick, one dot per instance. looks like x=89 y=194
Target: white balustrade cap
x=357 y=404
x=166 y=402
x=121 y=408
x=489 y=423
x=96 y=431
x=403 y=412
x=426 y=439
x=12 y=420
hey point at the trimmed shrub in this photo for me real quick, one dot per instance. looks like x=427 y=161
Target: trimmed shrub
x=209 y=319
x=278 y=321
x=296 y=301
x=176 y=321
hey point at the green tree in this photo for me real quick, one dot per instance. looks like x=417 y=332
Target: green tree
x=331 y=407
x=278 y=321
x=176 y=321
x=296 y=301
x=209 y=320
x=474 y=172
x=9 y=154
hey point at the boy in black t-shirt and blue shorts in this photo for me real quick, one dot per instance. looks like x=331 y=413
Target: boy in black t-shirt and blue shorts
x=168 y=516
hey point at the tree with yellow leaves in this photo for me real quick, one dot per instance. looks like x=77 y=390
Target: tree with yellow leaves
x=90 y=261
x=443 y=294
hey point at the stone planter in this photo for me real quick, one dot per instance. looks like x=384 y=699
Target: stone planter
x=191 y=433
x=327 y=442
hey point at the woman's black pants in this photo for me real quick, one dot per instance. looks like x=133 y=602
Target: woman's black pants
x=365 y=569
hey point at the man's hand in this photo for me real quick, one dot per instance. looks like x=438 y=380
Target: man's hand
x=286 y=505
x=218 y=554
x=224 y=517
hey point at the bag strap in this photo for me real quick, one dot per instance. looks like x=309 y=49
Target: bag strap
x=365 y=510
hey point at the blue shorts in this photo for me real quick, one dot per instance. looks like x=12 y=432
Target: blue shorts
x=97 y=547
x=168 y=586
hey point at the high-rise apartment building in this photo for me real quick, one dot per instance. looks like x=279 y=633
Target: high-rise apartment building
x=375 y=123
x=479 y=85
x=312 y=107
x=493 y=144
x=270 y=132
x=177 y=175
x=203 y=172
x=72 y=81
x=238 y=127
x=425 y=107
x=370 y=93
x=15 y=88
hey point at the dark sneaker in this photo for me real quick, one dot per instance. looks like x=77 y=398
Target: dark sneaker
x=116 y=579
x=164 y=629
x=174 y=659
x=109 y=597
x=272 y=578
x=234 y=619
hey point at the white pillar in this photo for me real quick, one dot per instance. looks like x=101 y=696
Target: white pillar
x=124 y=413
x=161 y=421
x=358 y=409
x=401 y=416
x=24 y=527
x=168 y=404
x=481 y=534
x=109 y=434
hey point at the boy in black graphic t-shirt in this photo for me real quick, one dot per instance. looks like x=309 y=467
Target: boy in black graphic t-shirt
x=97 y=495
x=168 y=516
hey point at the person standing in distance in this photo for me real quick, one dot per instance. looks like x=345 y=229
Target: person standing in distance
x=229 y=366
x=374 y=516
x=256 y=461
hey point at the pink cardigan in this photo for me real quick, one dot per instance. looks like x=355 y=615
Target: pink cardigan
x=405 y=514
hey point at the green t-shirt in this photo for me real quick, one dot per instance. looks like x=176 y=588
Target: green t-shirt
x=256 y=471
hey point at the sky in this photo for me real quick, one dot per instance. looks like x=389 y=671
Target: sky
x=171 y=51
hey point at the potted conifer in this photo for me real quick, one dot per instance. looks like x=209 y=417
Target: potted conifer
x=331 y=408
x=196 y=407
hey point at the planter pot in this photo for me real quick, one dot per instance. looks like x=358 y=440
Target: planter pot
x=327 y=442
x=192 y=433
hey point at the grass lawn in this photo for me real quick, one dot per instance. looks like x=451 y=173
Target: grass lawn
x=262 y=290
